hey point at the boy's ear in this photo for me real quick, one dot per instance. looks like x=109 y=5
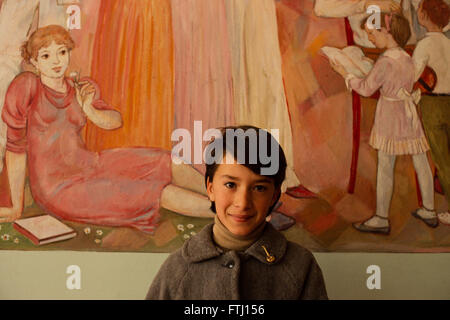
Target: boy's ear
x=209 y=189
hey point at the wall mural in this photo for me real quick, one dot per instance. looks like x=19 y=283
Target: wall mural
x=92 y=92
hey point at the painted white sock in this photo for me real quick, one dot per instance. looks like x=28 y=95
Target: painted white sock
x=385 y=183
x=425 y=178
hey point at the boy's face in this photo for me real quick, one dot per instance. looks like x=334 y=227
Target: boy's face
x=242 y=198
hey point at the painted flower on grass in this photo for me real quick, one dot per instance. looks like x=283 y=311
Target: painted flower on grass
x=190 y=226
x=186 y=236
x=16 y=240
x=98 y=241
x=5 y=237
x=99 y=232
x=87 y=230
x=180 y=227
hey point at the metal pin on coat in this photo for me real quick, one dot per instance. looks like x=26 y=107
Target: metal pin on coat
x=269 y=258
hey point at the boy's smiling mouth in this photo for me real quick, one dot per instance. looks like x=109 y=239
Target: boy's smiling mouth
x=240 y=217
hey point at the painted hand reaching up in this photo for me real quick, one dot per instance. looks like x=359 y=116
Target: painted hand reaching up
x=106 y=119
x=85 y=93
x=385 y=5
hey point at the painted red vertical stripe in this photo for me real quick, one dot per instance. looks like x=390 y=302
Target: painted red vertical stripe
x=356 y=107
x=349 y=33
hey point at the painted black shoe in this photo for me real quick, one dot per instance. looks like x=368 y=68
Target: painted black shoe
x=365 y=228
x=431 y=222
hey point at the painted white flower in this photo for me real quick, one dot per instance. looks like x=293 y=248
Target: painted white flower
x=193 y=233
x=190 y=226
x=97 y=241
x=186 y=236
x=180 y=227
x=87 y=230
x=16 y=240
x=5 y=237
x=99 y=232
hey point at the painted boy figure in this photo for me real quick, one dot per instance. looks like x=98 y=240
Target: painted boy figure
x=240 y=255
x=434 y=51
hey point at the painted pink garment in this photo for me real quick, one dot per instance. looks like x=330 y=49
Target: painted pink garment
x=393 y=131
x=116 y=187
x=202 y=59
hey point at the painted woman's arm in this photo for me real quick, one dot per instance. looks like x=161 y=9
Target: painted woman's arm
x=346 y=8
x=100 y=113
x=16 y=164
x=105 y=119
x=338 y=8
x=18 y=99
x=16 y=167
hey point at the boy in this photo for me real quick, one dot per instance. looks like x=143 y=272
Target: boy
x=240 y=256
x=434 y=51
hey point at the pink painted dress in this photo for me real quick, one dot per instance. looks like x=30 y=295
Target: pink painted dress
x=397 y=129
x=116 y=187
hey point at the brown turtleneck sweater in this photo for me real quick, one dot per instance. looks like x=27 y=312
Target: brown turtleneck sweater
x=226 y=240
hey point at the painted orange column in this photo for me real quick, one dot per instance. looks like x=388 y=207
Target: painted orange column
x=133 y=65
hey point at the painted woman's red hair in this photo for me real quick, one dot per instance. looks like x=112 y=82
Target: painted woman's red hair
x=43 y=37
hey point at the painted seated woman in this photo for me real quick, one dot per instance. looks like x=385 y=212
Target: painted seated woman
x=45 y=115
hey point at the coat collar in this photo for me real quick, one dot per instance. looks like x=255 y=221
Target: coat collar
x=202 y=247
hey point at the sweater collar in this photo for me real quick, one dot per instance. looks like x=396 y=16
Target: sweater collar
x=225 y=239
x=268 y=249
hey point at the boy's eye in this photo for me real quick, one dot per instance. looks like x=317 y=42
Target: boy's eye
x=45 y=56
x=230 y=185
x=63 y=52
x=260 y=188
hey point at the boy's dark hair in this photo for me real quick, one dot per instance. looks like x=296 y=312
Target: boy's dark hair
x=399 y=28
x=437 y=11
x=232 y=147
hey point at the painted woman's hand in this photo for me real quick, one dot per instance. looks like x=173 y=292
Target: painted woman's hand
x=385 y=5
x=85 y=93
x=9 y=214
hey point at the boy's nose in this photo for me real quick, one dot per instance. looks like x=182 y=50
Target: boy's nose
x=242 y=199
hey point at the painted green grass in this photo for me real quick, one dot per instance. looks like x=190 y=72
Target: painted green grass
x=90 y=237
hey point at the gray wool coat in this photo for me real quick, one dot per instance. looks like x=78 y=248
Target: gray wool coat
x=201 y=271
